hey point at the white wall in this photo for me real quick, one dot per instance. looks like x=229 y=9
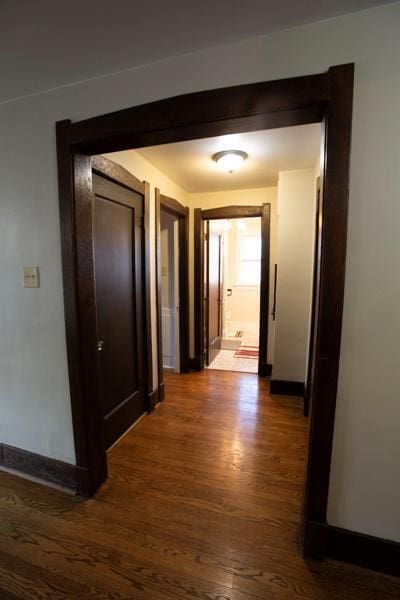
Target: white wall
x=34 y=396
x=296 y=232
x=257 y=196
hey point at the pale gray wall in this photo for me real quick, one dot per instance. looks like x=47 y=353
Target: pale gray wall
x=34 y=398
x=295 y=233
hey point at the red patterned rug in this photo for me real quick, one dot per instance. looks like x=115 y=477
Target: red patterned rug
x=247 y=352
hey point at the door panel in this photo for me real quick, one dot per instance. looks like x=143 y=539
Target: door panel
x=117 y=221
x=215 y=293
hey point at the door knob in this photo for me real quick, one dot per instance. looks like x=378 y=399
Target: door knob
x=100 y=345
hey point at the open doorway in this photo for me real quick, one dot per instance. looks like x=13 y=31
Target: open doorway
x=326 y=98
x=235 y=279
x=169 y=292
x=234 y=259
x=172 y=289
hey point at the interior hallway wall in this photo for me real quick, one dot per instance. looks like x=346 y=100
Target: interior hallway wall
x=296 y=233
x=257 y=197
x=35 y=404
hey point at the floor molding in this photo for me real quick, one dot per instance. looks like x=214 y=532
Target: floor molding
x=363 y=550
x=154 y=397
x=264 y=369
x=314 y=540
x=287 y=388
x=195 y=364
x=43 y=468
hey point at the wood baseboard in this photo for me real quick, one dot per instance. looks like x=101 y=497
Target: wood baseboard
x=287 y=388
x=363 y=550
x=45 y=468
x=264 y=369
x=314 y=540
x=154 y=397
x=325 y=541
x=161 y=392
x=195 y=364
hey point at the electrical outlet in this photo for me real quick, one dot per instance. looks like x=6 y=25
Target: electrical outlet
x=31 y=277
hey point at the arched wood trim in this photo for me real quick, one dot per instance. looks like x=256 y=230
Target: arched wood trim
x=324 y=97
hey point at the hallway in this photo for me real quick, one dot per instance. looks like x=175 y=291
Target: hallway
x=203 y=501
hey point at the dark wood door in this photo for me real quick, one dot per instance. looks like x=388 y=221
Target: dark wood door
x=214 y=293
x=118 y=253
x=315 y=300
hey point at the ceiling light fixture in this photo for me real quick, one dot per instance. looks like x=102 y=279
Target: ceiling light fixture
x=230 y=160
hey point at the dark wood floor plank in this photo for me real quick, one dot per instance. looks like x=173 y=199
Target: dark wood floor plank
x=203 y=502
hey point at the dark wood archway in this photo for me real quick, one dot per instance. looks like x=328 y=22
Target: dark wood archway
x=324 y=97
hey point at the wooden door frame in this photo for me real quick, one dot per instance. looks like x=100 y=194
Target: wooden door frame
x=315 y=290
x=324 y=97
x=262 y=211
x=204 y=294
x=76 y=213
x=176 y=209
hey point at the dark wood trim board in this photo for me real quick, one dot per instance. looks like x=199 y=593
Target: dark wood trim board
x=323 y=97
x=194 y=364
x=332 y=261
x=287 y=388
x=264 y=287
x=42 y=467
x=264 y=369
x=364 y=550
x=198 y=284
x=154 y=397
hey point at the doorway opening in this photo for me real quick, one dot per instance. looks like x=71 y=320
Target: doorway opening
x=233 y=278
x=172 y=286
x=233 y=284
x=326 y=98
x=169 y=292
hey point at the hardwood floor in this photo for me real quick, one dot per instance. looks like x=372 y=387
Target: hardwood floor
x=203 y=502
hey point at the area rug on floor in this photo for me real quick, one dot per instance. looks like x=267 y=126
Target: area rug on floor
x=227 y=361
x=247 y=352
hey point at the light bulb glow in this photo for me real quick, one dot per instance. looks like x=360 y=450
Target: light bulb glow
x=230 y=160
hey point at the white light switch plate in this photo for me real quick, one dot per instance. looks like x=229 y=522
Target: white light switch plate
x=31 y=277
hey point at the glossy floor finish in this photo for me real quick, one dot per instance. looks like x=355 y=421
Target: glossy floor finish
x=202 y=503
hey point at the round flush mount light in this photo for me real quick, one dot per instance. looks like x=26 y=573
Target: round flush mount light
x=230 y=160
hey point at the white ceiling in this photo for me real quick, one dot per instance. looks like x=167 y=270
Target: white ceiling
x=48 y=43
x=189 y=164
